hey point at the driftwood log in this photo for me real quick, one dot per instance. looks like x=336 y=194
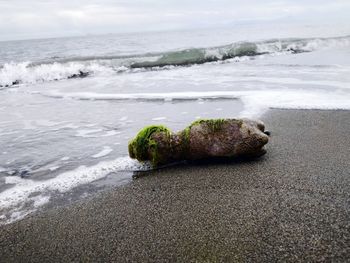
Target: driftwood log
x=213 y=138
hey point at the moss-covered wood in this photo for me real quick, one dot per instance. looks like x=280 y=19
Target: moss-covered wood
x=201 y=139
x=144 y=147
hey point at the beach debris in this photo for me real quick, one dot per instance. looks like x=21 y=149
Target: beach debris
x=203 y=139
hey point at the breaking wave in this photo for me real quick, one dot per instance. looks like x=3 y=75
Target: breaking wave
x=20 y=73
x=78 y=67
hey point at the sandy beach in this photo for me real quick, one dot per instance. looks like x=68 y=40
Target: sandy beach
x=290 y=205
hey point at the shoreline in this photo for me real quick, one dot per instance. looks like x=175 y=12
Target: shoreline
x=291 y=204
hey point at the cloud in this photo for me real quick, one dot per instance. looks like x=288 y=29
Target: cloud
x=43 y=18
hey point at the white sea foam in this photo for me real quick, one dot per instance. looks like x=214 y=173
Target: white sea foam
x=16 y=215
x=110 y=133
x=65 y=181
x=305 y=45
x=25 y=73
x=159 y=118
x=255 y=101
x=21 y=211
x=54 y=168
x=40 y=200
x=106 y=150
x=88 y=133
x=22 y=190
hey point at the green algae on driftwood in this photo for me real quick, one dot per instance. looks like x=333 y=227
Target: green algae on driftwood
x=212 y=138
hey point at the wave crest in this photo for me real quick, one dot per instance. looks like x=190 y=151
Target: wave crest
x=17 y=73
x=26 y=72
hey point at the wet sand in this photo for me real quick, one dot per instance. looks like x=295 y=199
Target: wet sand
x=293 y=204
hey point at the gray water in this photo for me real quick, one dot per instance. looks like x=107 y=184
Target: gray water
x=69 y=106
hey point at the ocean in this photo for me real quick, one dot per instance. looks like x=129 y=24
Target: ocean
x=69 y=106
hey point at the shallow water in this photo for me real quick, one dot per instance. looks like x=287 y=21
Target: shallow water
x=64 y=136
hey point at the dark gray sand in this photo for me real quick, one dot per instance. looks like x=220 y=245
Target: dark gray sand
x=291 y=205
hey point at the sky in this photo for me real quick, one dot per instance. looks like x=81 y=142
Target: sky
x=24 y=19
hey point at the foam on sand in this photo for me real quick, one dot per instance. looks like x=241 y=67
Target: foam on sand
x=22 y=191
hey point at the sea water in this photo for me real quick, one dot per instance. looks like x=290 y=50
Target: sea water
x=69 y=106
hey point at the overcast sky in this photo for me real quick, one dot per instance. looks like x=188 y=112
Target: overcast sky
x=21 y=19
